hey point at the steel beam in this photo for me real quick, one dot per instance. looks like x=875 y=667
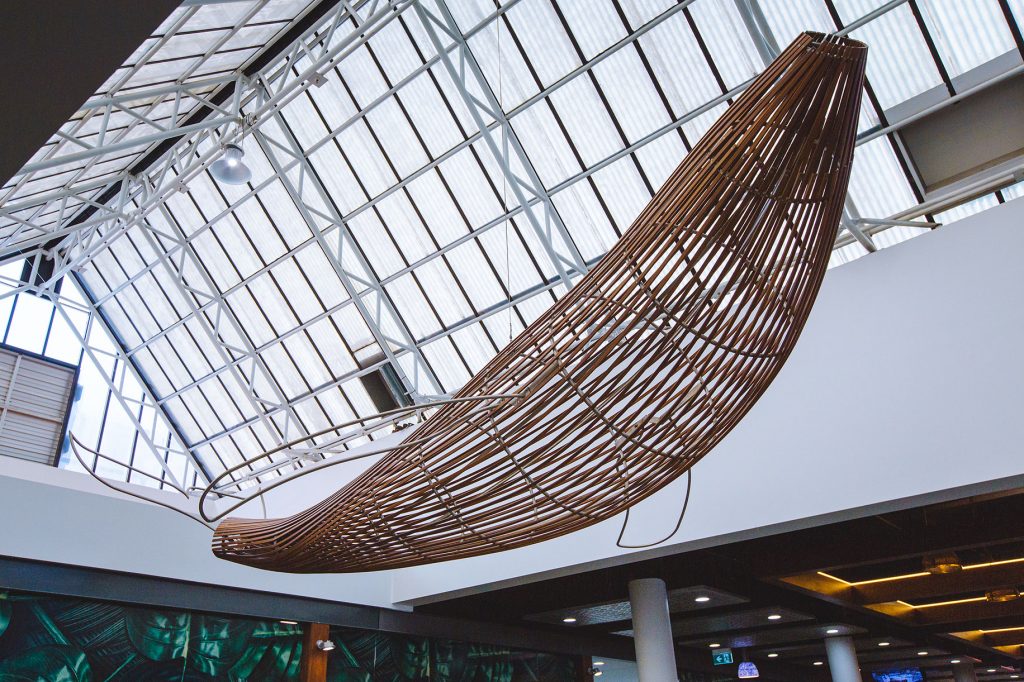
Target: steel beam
x=316 y=53
x=154 y=96
x=222 y=313
x=356 y=284
x=759 y=30
x=896 y=125
x=852 y=222
x=96 y=321
x=141 y=141
x=468 y=78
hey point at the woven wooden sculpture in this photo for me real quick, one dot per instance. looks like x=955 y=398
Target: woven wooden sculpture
x=635 y=374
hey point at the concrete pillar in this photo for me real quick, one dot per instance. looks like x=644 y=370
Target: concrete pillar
x=964 y=672
x=842 y=659
x=652 y=630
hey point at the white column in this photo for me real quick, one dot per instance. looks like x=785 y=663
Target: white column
x=842 y=659
x=652 y=630
x=964 y=672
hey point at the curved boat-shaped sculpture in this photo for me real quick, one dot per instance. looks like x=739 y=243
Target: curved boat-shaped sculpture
x=635 y=374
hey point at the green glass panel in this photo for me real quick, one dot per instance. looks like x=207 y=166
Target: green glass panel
x=158 y=635
x=53 y=663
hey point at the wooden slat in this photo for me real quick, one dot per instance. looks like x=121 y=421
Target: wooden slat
x=313 y=667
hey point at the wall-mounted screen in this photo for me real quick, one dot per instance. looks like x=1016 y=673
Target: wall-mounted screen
x=904 y=675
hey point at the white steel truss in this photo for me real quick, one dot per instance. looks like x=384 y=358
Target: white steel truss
x=154 y=104
x=507 y=150
x=150 y=422
x=232 y=344
x=332 y=233
x=318 y=49
x=77 y=241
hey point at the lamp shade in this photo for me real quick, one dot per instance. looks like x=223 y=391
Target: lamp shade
x=230 y=169
x=748 y=670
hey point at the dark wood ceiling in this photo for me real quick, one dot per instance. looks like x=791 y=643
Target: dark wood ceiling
x=874 y=588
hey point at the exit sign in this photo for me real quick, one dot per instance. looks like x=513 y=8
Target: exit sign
x=722 y=657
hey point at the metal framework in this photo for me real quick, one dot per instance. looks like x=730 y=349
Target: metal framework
x=465 y=72
x=317 y=49
x=93 y=335
x=126 y=118
x=333 y=235
x=407 y=231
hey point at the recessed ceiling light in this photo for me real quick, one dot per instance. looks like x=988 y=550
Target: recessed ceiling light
x=1003 y=595
x=774 y=616
x=568 y=619
x=701 y=600
x=289 y=622
x=942 y=564
x=955 y=660
x=991 y=670
x=922 y=653
x=818 y=663
x=832 y=631
x=773 y=655
x=883 y=644
x=714 y=645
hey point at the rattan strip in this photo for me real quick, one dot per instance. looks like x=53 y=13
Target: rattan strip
x=639 y=371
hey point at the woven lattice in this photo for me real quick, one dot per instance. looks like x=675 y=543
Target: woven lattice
x=635 y=374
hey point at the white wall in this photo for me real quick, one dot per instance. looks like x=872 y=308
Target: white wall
x=908 y=381
x=906 y=387
x=67 y=517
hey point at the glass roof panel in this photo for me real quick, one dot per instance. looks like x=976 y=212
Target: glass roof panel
x=511 y=80
x=591 y=131
x=639 y=110
x=388 y=136
x=594 y=24
x=586 y=219
x=1014 y=191
x=877 y=184
x=679 y=65
x=967 y=209
x=789 y=19
x=547 y=47
x=731 y=48
x=900 y=65
x=967 y=34
x=624 y=191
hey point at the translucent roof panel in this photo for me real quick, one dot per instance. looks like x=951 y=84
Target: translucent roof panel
x=380 y=231
x=967 y=34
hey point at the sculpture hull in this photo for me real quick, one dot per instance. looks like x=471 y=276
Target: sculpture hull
x=638 y=372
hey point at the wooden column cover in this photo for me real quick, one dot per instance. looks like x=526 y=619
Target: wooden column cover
x=636 y=373
x=582 y=669
x=313 y=667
